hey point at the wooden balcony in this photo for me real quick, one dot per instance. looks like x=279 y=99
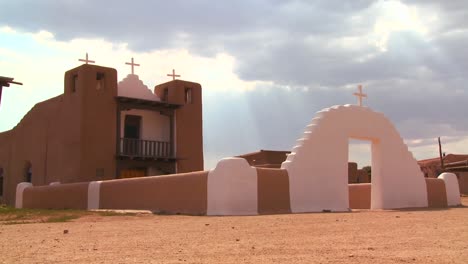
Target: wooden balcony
x=138 y=148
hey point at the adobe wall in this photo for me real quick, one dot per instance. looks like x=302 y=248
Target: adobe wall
x=60 y=196
x=216 y=192
x=436 y=193
x=360 y=196
x=27 y=144
x=463 y=182
x=273 y=191
x=5 y=151
x=182 y=193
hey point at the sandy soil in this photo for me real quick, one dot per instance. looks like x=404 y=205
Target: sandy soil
x=422 y=236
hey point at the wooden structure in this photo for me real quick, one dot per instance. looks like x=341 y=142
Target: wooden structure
x=5 y=82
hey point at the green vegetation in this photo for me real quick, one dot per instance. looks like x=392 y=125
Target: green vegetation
x=61 y=218
x=12 y=216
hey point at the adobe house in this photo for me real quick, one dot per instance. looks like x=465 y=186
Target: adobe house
x=454 y=163
x=99 y=129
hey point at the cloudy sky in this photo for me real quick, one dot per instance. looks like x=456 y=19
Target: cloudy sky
x=265 y=66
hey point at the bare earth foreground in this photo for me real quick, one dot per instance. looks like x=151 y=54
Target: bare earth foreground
x=421 y=236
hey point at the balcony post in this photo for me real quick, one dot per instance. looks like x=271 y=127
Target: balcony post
x=118 y=139
x=172 y=133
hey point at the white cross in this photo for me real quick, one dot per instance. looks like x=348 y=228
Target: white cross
x=173 y=75
x=87 y=60
x=132 y=64
x=360 y=95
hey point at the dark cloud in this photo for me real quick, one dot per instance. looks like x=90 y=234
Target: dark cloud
x=315 y=47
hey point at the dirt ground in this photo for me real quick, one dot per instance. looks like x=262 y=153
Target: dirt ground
x=421 y=236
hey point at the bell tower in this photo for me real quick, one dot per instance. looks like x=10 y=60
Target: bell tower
x=188 y=122
x=89 y=96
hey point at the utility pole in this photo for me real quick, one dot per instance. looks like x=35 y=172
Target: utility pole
x=440 y=155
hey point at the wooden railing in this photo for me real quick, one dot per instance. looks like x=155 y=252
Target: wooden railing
x=144 y=148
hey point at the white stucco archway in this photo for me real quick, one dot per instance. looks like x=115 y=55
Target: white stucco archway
x=318 y=165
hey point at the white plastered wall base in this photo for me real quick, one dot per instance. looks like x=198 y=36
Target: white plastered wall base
x=19 y=193
x=318 y=164
x=232 y=188
x=94 y=192
x=451 y=188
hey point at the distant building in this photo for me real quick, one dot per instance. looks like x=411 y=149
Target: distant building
x=99 y=129
x=432 y=167
x=274 y=158
x=456 y=163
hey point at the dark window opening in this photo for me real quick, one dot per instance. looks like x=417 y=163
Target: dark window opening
x=99 y=81
x=28 y=172
x=74 y=83
x=132 y=126
x=188 y=95
x=165 y=94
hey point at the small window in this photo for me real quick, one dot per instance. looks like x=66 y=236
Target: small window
x=74 y=83
x=188 y=95
x=28 y=172
x=99 y=81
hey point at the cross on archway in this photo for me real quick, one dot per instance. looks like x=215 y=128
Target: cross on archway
x=86 y=61
x=133 y=65
x=5 y=82
x=360 y=95
x=173 y=75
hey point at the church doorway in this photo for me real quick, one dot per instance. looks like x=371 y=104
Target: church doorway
x=132 y=126
x=132 y=135
x=359 y=173
x=360 y=160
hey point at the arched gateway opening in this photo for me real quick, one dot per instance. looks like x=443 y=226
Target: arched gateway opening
x=318 y=164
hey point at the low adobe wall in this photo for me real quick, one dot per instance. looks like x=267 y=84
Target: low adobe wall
x=273 y=191
x=59 y=196
x=463 y=182
x=182 y=193
x=360 y=196
x=436 y=193
x=260 y=190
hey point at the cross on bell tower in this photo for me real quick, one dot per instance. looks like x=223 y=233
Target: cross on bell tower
x=360 y=95
x=86 y=61
x=173 y=75
x=133 y=65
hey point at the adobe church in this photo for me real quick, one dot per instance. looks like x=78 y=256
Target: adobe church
x=101 y=129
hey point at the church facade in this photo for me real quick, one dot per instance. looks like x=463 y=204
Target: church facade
x=102 y=129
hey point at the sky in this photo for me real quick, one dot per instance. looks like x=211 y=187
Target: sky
x=266 y=67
